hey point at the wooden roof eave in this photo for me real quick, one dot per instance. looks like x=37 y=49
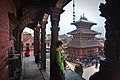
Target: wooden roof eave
x=39 y=3
x=62 y=3
x=80 y=22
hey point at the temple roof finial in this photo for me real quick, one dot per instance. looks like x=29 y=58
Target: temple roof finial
x=83 y=17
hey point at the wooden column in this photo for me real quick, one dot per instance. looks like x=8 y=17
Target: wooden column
x=17 y=45
x=55 y=18
x=19 y=50
x=17 y=56
x=36 y=40
x=110 y=68
x=43 y=45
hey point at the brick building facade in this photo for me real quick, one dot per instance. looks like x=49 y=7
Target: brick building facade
x=6 y=7
x=28 y=41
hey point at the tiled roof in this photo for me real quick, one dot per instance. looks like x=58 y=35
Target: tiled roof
x=83 y=22
x=83 y=43
x=84 y=30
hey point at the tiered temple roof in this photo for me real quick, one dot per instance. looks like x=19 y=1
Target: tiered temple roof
x=84 y=27
x=83 y=23
x=83 y=43
x=84 y=31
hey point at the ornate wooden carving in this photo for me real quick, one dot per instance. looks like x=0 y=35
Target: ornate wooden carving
x=55 y=18
x=43 y=45
x=110 y=68
x=12 y=24
x=26 y=18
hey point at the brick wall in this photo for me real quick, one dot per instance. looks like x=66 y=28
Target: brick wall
x=5 y=7
x=81 y=52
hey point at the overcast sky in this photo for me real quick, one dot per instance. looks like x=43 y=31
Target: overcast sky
x=90 y=8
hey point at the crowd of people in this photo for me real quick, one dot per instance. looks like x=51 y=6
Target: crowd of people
x=87 y=61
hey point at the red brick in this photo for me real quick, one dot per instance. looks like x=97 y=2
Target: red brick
x=5 y=7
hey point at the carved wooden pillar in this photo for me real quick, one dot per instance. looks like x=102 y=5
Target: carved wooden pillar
x=43 y=45
x=19 y=49
x=36 y=40
x=18 y=62
x=55 y=18
x=110 y=68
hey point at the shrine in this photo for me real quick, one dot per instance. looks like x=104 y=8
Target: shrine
x=84 y=41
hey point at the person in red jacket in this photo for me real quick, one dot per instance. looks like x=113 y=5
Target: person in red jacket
x=27 y=52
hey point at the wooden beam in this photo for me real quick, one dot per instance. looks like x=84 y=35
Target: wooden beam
x=61 y=3
x=39 y=3
x=25 y=19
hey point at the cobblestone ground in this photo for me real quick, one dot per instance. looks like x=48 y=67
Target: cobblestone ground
x=30 y=69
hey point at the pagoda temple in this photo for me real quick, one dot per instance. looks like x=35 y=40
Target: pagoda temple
x=84 y=41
